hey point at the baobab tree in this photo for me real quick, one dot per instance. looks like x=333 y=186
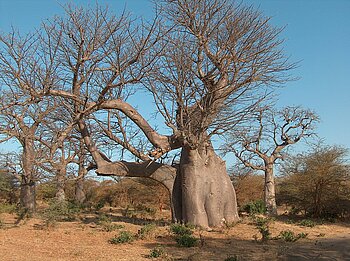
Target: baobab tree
x=26 y=70
x=206 y=63
x=60 y=146
x=259 y=146
x=21 y=110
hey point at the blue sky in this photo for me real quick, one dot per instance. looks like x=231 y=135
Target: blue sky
x=317 y=34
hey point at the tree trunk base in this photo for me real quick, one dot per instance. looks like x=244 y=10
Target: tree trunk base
x=28 y=197
x=207 y=196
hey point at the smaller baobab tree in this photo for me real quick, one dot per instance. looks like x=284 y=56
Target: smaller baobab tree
x=23 y=73
x=264 y=141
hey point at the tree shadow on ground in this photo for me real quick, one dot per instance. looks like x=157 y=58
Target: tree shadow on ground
x=131 y=220
x=293 y=219
x=244 y=250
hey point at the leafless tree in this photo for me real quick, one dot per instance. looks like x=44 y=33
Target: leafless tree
x=21 y=110
x=206 y=63
x=260 y=145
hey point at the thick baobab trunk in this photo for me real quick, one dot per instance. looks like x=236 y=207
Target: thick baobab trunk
x=269 y=191
x=79 y=195
x=61 y=184
x=27 y=192
x=207 y=195
x=28 y=196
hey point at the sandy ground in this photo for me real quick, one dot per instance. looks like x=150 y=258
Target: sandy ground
x=84 y=240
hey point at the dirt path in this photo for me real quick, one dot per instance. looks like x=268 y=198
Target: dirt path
x=86 y=241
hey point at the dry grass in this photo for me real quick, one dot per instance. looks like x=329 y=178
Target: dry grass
x=85 y=240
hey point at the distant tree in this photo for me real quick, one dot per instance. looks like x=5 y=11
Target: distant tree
x=23 y=75
x=79 y=192
x=57 y=149
x=318 y=182
x=9 y=184
x=260 y=144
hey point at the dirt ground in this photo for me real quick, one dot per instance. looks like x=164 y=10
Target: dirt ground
x=85 y=240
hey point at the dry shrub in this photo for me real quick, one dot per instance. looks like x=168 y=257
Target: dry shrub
x=318 y=183
x=249 y=187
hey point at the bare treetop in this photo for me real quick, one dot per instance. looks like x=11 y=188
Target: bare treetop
x=219 y=61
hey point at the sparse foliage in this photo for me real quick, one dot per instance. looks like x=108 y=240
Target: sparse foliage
x=261 y=143
x=317 y=183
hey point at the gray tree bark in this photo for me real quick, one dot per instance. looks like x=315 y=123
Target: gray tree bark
x=269 y=190
x=61 y=184
x=208 y=196
x=27 y=191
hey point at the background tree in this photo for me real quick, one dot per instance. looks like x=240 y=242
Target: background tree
x=260 y=145
x=9 y=178
x=318 y=182
x=57 y=147
x=22 y=74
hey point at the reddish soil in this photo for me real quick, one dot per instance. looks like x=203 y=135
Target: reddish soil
x=84 y=240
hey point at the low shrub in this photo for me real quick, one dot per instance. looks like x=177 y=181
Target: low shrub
x=183 y=235
x=106 y=223
x=232 y=258
x=156 y=252
x=180 y=230
x=123 y=237
x=262 y=224
x=186 y=240
x=307 y=223
x=290 y=236
x=60 y=211
x=255 y=207
x=146 y=231
x=7 y=208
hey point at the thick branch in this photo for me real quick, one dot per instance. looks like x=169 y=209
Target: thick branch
x=165 y=143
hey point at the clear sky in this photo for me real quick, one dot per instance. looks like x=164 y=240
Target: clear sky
x=317 y=34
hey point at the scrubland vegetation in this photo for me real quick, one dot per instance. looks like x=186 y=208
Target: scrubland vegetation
x=137 y=212
x=94 y=179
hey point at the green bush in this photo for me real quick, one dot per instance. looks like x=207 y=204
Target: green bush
x=7 y=208
x=289 y=236
x=60 y=211
x=186 y=240
x=2 y=225
x=262 y=224
x=46 y=191
x=183 y=235
x=106 y=223
x=307 y=223
x=157 y=252
x=146 y=231
x=255 y=207
x=180 y=230
x=123 y=237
